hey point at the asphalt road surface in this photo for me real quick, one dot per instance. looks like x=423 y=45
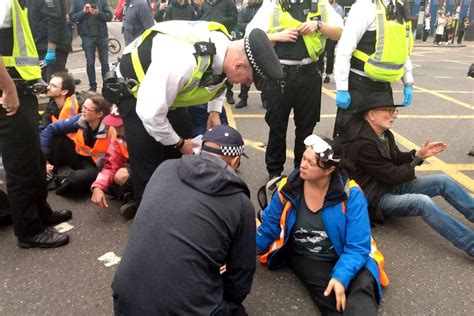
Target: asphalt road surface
x=428 y=275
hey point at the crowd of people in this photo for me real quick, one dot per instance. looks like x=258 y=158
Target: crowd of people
x=194 y=224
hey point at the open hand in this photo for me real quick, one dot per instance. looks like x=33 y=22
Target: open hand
x=430 y=149
x=339 y=292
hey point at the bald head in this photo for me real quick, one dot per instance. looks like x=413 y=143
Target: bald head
x=236 y=65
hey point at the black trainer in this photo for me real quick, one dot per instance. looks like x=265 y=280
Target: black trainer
x=230 y=100
x=128 y=210
x=47 y=239
x=59 y=217
x=327 y=79
x=241 y=104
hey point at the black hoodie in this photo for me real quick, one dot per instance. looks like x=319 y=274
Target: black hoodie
x=195 y=216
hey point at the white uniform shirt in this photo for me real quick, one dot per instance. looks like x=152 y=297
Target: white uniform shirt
x=172 y=65
x=5 y=14
x=361 y=18
x=261 y=20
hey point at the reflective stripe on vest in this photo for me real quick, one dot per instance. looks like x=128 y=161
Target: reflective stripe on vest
x=100 y=146
x=394 y=42
x=24 y=54
x=315 y=42
x=190 y=32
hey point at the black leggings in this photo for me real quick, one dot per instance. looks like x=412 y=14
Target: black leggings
x=315 y=275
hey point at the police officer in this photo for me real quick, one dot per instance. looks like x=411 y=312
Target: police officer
x=299 y=29
x=179 y=64
x=25 y=167
x=372 y=53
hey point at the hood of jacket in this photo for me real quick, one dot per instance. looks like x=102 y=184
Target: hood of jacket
x=211 y=175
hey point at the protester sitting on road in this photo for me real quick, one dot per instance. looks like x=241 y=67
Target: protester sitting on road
x=387 y=175
x=194 y=218
x=317 y=223
x=83 y=154
x=114 y=178
x=62 y=99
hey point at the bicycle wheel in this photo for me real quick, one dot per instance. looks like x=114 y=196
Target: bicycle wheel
x=114 y=46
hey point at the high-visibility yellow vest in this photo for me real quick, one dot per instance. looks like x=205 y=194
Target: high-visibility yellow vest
x=24 y=55
x=315 y=42
x=393 y=44
x=191 y=32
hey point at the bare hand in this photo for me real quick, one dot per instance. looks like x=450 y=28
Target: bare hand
x=188 y=147
x=430 y=149
x=213 y=119
x=285 y=36
x=49 y=167
x=87 y=8
x=308 y=28
x=98 y=198
x=10 y=101
x=339 y=292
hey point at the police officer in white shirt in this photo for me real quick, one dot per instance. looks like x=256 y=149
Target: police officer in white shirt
x=361 y=66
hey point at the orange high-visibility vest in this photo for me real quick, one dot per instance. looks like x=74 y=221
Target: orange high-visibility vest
x=69 y=109
x=100 y=147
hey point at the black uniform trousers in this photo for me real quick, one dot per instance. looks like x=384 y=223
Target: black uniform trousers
x=301 y=91
x=244 y=93
x=315 y=275
x=359 y=87
x=25 y=168
x=329 y=52
x=145 y=153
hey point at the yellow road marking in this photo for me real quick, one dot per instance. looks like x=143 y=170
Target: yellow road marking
x=445 y=97
x=230 y=115
x=439 y=164
x=454 y=166
x=262 y=147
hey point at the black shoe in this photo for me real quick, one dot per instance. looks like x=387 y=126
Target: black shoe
x=265 y=105
x=47 y=239
x=230 y=100
x=92 y=90
x=471 y=152
x=51 y=181
x=59 y=217
x=129 y=210
x=63 y=187
x=241 y=104
x=327 y=79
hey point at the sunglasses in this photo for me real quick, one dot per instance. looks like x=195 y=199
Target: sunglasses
x=321 y=148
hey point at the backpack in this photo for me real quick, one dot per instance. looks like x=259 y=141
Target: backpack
x=265 y=193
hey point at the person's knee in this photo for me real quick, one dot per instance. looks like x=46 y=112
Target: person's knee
x=121 y=176
x=424 y=204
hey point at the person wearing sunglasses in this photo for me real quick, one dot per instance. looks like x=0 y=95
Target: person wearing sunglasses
x=317 y=224
x=387 y=175
x=373 y=52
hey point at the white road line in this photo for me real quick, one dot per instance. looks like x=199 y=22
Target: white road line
x=109 y=259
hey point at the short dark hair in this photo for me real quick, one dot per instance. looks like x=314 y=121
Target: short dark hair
x=101 y=104
x=68 y=84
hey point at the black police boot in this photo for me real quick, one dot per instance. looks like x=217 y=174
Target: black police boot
x=59 y=217
x=49 y=238
x=241 y=104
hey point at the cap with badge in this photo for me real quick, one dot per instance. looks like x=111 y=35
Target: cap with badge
x=113 y=119
x=229 y=140
x=262 y=57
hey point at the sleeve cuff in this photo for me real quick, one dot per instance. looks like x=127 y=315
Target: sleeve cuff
x=215 y=105
x=173 y=139
x=342 y=85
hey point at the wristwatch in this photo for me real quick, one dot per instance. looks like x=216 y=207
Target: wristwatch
x=179 y=144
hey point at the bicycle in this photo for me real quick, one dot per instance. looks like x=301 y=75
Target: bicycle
x=114 y=46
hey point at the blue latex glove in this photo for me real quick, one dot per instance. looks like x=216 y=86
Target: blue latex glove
x=408 y=93
x=50 y=57
x=343 y=99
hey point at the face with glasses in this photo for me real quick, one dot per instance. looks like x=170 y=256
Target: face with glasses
x=90 y=112
x=55 y=88
x=383 y=118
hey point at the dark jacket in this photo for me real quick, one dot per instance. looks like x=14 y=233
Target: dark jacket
x=48 y=23
x=195 y=216
x=175 y=11
x=222 y=11
x=377 y=171
x=138 y=17
x=246 y=15
x=77 y=15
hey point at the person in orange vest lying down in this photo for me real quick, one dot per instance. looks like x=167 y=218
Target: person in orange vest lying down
x=317 y=223
x=83 y=154
x=114 y=178
x=62 y=99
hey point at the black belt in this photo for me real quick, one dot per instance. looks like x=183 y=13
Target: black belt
x=293 y=72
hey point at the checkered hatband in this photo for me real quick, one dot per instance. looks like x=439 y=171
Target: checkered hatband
x=232 y=150
x=251 y=59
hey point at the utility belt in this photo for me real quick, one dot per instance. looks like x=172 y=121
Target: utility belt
x=115 y=89
x=296 y=71
x=33 y=87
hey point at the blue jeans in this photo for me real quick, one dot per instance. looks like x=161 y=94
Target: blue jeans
x=199 y=117
x=90 y=46
x=413 y=198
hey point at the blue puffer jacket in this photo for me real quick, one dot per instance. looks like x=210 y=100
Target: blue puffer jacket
x=77 y=15
x=346 y=221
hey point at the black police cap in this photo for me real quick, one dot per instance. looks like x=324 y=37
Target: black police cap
x=262 y=56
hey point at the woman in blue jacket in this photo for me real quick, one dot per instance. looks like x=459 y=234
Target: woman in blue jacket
x=317 y=224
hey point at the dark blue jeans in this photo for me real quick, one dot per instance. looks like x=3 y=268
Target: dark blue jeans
x=90 y=46
x=413 y=198
x=199 y=117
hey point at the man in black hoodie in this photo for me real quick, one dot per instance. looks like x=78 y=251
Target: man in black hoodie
x=191 y=248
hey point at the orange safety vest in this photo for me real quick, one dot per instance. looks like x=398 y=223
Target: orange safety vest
x=277 y=244
x=122 y=144
x=69 y=109
x=101 y=144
